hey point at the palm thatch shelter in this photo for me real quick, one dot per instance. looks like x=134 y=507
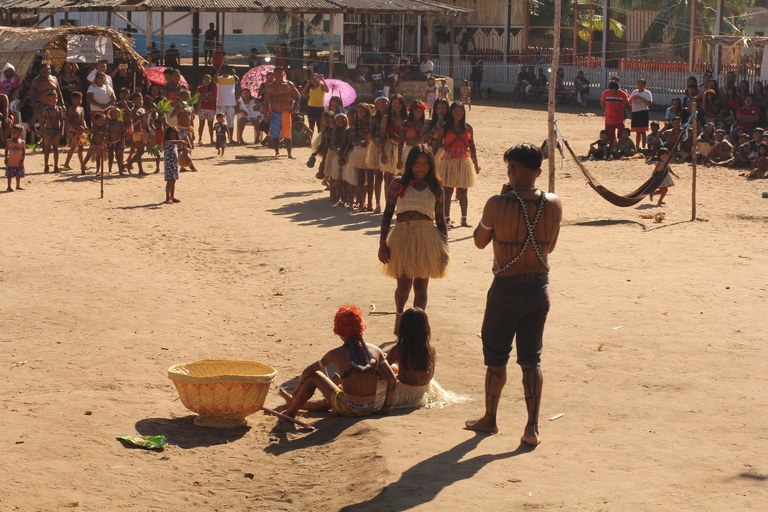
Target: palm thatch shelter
x=21 y=46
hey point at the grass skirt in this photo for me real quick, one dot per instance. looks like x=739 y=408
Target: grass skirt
x=358 y=157
x=349 y=175
x=429 y=396
x=374 y=156
x=332 y=167
x=456 y=172
x=416 y=250
x=391 y=152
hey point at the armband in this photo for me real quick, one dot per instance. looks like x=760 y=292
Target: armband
x=485 y=227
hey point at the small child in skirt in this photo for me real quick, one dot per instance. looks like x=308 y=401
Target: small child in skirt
x=668 y=181
x=221 y=129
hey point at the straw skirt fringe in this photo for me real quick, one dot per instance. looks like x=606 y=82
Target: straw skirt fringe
x=349 y=174
x=332 y=167
x=391 y=151
x=374 y=156
x=429 y=396
x=358 y=157
x=456 y=172
x=416 y=250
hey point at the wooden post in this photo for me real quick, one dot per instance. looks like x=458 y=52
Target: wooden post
x=450 y=47
x=591 y=28
x=148 y=30
x=162 y=36
x=102 y=179
x=691 y=44
x=575 y=29
x=694 y=151
x=552 y=83
x=331 y=30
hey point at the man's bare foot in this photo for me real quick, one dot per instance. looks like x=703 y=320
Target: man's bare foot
x=19 y=188
x=9 y=189
x=291 y=157
x=531 y=436
x=174 y=200
x=484 y=424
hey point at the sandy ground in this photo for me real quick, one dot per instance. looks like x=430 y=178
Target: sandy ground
x=653 y=351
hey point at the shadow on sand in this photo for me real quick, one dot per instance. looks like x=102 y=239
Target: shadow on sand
x=182 y=432
x=319 y=212
x=422 y=482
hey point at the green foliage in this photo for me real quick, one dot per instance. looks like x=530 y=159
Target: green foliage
x=154 y=150
x=164 y=106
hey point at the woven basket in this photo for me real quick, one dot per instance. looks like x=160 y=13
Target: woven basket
x=222 y=392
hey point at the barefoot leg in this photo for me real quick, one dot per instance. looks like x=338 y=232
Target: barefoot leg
x=495 y=378
x=532 y=384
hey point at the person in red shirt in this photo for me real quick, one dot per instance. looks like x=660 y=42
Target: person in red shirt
x=614 y=101
x=218 y=58
x=748 y=115
x=206 y=107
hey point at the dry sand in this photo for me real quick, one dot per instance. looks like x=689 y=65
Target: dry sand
x=655 y=348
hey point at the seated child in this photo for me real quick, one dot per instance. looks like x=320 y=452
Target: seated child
x=300 y=132
x=653 y=142
x=721 y=151
x=760 y=165
x=624 y=146
x=601 y=148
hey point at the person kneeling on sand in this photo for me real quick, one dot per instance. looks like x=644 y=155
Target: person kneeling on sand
x=361 y=366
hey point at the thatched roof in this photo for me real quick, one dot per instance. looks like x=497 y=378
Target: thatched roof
x=423 y=7
x=20 y=46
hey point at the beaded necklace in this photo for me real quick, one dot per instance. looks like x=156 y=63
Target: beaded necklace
x=530 y=239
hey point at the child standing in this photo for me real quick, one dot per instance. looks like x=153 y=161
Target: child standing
x=116 y=140
x=465 y=94
x=15 y=151
x=443 y=90
x=53 y=127
x=171 y=144
x=76 y=129
x=668 y=181
x=430 y=94
x=220 y=130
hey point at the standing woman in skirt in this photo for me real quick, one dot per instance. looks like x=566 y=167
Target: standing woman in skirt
x=378 y=125
x=416 y=249
x=413 y=130
x=458 y=166
x=391 y=156
x=337 y=140
x=434 y=132
x=358 y=141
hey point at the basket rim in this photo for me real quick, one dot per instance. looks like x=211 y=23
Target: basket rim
x=268 y=377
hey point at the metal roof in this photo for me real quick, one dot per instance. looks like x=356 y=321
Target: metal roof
x=297 y=6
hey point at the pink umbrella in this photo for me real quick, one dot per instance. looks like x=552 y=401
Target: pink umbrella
x=340 y=88
x=155 y=75
x=255 y=77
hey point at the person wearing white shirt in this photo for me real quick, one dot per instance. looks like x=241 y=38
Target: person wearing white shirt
x=427 y=67
x=101 y=67
x=640 y=101
x=249 y=113
x=100 y=95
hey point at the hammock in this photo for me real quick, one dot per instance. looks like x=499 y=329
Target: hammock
x=630 y=199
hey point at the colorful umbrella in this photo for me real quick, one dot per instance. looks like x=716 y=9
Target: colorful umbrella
x=340 y=88
x=255 y=77
x=155 y=75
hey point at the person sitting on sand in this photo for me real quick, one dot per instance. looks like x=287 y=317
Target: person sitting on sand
x=413 y=361
x=721 y=151
x=361 y=366
x=624 y=146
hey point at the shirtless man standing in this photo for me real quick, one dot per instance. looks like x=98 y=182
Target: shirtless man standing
x=523 y=224
x=39 y=88
x=281 y=100
x=361 y=366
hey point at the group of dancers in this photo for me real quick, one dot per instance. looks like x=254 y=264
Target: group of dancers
x=362 y=152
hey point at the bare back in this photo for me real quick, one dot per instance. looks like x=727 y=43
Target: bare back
x=356 y=382
x=503 y=214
